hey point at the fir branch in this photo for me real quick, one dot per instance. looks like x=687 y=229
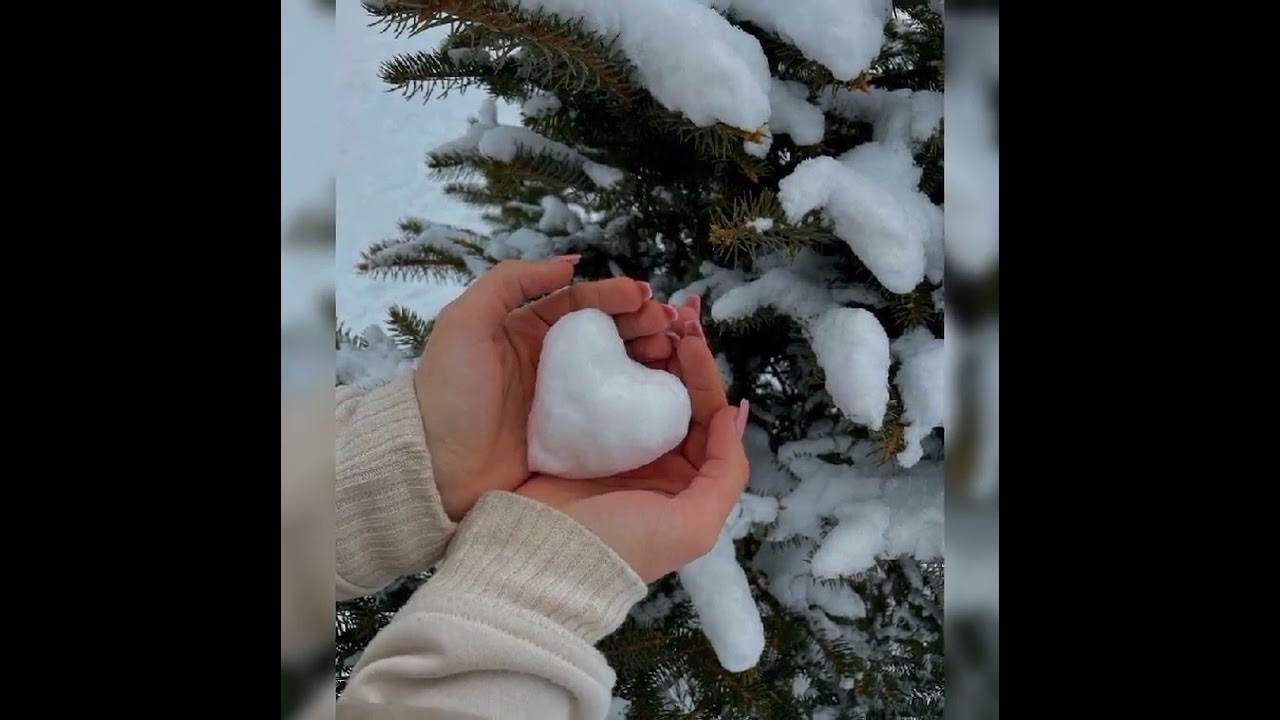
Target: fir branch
x=409 y=330
x=733 y=233
x=455 y=165
x=914 y=309
x=559 y=52
x=550 y=170
x=433 y=73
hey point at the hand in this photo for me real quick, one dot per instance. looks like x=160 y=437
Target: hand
x=477 y=373
x=669 y=512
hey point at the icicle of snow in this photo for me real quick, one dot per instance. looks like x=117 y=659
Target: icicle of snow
x=853 y=350
x=718 y=587
x=922 y=380
x=876 y=209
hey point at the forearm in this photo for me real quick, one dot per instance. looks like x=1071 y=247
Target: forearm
x=390 y=521
x=506 y=626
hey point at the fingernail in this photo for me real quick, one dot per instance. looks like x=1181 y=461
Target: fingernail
x=695 y=302
x=670 y=312
x=744 y=412
x=693 y=329
x=571 y=259
x=648 y=291
x=675 y=339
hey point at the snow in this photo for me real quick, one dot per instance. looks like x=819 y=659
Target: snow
x=718 y=587
x=853 y=350
x=823 y=487
x=586 y=388
x=766 y=477
x=690 y=58
x=557 y=217
x=715 y=280
x=750 y=510
x=469 y=56
x=791 y=583
x=881 y=511
x=541 y=104
x=618 y=708
x=869 y=195
x=781 y=288
x=849 y=343
x=758 y=149
x=433 y=235
x=897 y=116
x=922 y=382
x=525 y=244
x=852 y=545
x=603 y=176
x=762 y=224
x=379 y=362
x=801 y=685
x=793 y=114
x=843 y=35
x=503 y=142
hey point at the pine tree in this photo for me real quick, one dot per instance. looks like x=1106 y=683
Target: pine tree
x=602 y=168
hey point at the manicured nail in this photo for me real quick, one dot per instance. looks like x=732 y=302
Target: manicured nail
x=693 y=329
x=571 y=259
x=670 y=312
x=648 y=290
x=744 y=412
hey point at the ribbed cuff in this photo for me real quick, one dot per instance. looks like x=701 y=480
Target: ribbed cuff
x=390 y=520
x=510 y=549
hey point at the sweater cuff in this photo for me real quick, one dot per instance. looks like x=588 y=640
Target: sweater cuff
x=513 y=550
x=390 y=520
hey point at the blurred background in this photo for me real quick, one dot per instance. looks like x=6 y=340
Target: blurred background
x=307 y=311
x=351 y=165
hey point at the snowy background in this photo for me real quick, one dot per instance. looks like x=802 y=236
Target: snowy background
x=382 y=141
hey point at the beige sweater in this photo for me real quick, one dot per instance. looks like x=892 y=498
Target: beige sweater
x=506 y=626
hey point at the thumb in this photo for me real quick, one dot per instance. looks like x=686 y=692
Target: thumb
x=703 y=506
x=510 y=284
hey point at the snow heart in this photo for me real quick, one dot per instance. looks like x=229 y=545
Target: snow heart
x=597 y=412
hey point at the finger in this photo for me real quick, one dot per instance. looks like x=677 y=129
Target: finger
x=651 y=318
x=510 y=283
x=614 y=296
x=701 y=377
x=650 y=348
x=702 y=507
x=684 y=314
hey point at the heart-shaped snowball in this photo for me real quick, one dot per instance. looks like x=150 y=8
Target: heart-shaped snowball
x=597 y=412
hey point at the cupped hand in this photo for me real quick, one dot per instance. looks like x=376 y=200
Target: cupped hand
x=669 y=512
x=477 y=374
